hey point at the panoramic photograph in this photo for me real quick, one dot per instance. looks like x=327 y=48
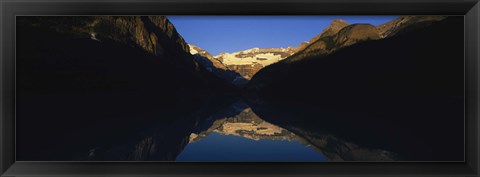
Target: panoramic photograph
x=186 y=88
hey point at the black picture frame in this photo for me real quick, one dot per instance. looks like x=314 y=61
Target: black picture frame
x=10 y=9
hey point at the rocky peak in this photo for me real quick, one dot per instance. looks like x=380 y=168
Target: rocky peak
x=332 y=29
x=302 y=46
x=337 y=24
x=155 y=34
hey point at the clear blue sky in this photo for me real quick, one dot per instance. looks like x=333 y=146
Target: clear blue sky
x=218 y=34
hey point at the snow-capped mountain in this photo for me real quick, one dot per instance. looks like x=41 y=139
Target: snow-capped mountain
x=250 y=61
x=243 y=63
x=263 y=56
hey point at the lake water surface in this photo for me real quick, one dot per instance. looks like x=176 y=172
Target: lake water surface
x=232 y=130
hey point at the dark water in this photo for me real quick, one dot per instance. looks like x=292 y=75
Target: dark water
x=219 y=147
x=114 y=128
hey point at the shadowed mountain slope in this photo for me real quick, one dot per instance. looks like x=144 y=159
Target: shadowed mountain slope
x=403 y=83
x=100 y=53
x=85 y=77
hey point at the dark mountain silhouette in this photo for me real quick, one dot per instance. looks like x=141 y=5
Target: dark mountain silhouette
x=102 y=77
x=105 y=53
x=392 y=88
x=405 y=24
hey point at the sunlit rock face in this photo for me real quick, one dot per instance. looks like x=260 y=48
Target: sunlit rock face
x=337 y=35
x=340 y=34
x=332 y=29
x=356 y=33
x=154 y=34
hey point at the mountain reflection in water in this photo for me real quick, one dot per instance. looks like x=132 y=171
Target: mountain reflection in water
x=246 y=137
x=230 y=133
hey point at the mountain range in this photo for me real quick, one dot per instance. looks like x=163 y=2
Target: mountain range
x=246 y=62
x=336 y=35
x=339 y=35
x=160 y=52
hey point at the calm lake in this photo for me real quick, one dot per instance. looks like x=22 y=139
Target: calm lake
x=226 y=130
